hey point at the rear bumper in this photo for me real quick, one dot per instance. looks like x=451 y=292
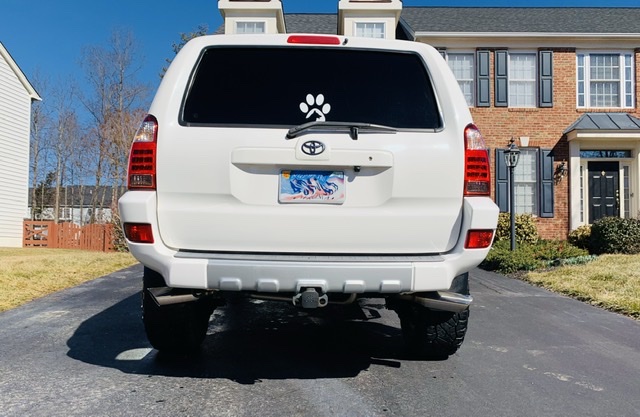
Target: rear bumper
x=290 y=273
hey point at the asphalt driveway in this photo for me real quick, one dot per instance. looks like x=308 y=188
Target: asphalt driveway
x=528 y=352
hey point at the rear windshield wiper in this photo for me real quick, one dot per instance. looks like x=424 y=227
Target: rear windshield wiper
x=353 y=127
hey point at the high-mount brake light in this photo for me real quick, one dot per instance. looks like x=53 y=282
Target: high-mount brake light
x=477 y=173
x=142 y=158
x=478 y=239
x=314 y=40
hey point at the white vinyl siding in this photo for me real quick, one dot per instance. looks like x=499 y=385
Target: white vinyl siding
x=522 y=80
x=463 y=68
x=370 y=30
x=605 y=80
x=250 y=27
x=15 y=112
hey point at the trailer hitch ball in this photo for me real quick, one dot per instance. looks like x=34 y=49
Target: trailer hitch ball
x=310 y=298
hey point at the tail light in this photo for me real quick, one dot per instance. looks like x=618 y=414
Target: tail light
x=478 y=239
x=138 y=232
x=142 y=158
x=477 y=173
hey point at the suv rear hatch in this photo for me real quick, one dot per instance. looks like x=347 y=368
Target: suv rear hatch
x=234 y=175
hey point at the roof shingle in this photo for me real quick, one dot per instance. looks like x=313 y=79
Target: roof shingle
x=311 y=23
x=523 y=19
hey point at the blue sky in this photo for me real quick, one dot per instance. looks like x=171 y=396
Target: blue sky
x=48 y=35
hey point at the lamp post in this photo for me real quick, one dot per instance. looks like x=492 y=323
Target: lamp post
x=511 y=156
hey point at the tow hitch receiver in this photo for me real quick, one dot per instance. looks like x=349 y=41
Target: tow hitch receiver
x=310 y=298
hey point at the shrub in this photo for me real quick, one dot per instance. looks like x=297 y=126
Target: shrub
x=118 y=240
x=502 y=259
x=556 y=249
x=528 y=257
x=526 y=230
x=578 y=260
x=580 y=237
x=615 y=235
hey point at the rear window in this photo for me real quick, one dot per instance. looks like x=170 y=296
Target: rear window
x=290 y=86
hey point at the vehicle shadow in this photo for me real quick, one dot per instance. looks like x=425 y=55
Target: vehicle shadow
x=248 y=341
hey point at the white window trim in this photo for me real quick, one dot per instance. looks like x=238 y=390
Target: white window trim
x=535 y=77
x=263 y=22
x=583 y=193
x=628 y=189
x=474 y=76
x=584 y=166
x=372 y=22
x=535 y=181
x=587 y=78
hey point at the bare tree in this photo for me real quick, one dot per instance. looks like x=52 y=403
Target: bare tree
x=43 y=196
x=114 y=104
x=39 y=120
x=185 y=37
x=121 y=128
x=83 y=167
x=64 y=137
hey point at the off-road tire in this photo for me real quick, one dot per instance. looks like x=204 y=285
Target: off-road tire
x=176 y=328
x=432 y=334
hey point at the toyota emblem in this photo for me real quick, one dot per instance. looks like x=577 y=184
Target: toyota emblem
x=313 y=147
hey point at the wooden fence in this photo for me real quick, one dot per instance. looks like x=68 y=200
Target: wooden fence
x=48 y=234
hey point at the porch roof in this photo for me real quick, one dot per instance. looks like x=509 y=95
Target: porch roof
x=610 y=122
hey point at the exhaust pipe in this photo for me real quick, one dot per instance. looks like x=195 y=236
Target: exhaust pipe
x=439 y=300
x=163 y=296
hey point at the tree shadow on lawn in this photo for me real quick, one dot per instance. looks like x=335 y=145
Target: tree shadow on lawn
x=248 y=341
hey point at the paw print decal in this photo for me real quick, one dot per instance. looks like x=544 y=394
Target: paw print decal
x=315 y=106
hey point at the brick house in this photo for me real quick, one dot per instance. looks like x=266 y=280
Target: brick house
x=562 y=82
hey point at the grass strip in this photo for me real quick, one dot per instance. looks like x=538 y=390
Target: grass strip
x=611 y=282
x=30 y=273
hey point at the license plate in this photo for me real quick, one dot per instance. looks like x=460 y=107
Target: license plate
x=319 y=187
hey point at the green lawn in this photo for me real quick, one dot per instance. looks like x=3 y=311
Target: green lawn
x=30 y=273
x=611 y=282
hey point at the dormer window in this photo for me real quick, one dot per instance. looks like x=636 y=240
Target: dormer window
x=250 y=27
x=370 y=30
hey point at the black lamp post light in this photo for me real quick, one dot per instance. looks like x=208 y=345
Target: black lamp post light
x=511 y=157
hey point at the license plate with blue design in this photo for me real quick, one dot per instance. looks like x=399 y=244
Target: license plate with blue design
x=319 y=187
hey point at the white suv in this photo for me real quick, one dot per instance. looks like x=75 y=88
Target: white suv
x=312 y=169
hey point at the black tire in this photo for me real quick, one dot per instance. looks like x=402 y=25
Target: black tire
x=175 y=328
x=432 y=334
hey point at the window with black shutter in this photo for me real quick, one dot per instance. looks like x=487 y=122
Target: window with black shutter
x=533 y=178
x=545 y=73
x=483 y=94
x=523 y=79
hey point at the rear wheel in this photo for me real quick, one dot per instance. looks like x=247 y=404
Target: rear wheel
x=432 y=334
x=176 y=328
